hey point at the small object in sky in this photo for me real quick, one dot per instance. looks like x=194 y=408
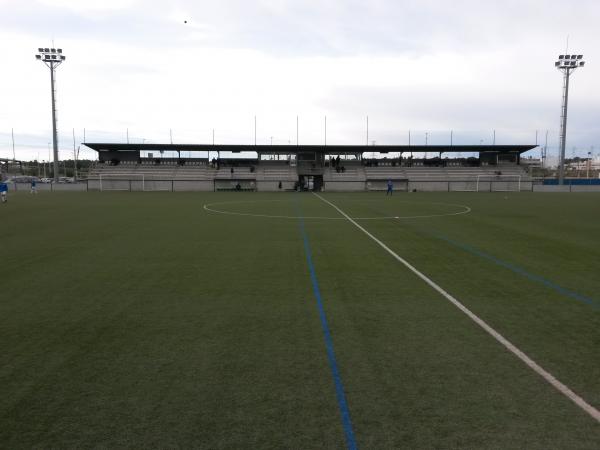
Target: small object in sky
x=185 y=21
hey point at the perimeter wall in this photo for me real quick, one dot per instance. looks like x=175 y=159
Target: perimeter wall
x=273 y=186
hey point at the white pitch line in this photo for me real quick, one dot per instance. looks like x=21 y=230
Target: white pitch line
x=561 y=387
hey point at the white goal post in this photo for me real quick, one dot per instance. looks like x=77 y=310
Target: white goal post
x=498 y=183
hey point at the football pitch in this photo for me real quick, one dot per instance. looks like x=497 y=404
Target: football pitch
x=294 y=320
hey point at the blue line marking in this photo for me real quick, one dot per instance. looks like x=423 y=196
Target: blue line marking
x=337 y=379
x=533 y=277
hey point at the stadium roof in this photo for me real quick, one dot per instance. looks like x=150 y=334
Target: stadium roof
x=293 y=149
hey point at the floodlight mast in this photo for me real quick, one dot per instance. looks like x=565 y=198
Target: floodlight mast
x=53 y=58
x=566 y=64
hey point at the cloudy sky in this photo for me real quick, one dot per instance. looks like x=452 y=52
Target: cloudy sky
x=422 y=65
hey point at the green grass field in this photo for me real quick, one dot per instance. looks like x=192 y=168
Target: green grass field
x=143 y=320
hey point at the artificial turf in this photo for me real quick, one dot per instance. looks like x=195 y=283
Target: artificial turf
x=143 y=320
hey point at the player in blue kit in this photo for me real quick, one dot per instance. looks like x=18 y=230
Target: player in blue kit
x=3 y=191
x=390 y=188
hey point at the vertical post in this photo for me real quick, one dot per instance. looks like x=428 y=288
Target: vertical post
x=545 y=150
x=12 y=133
x=563 y=128
x=589 y=163
x=409 y=138
x=451 y=132
x=213 y=134
x=494 y=138
x=54 y=132
x=74 y=158
x=171 y=135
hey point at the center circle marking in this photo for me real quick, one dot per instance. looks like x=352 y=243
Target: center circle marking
x=464 y=209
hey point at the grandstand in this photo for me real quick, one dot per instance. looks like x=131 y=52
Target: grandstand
x=307 y=167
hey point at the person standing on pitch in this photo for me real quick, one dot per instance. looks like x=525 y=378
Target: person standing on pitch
x=3 y=191
x=390 y=188
x=33 y=186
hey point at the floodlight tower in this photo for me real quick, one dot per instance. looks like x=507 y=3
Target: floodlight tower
x=53 y=58
x=566 y=64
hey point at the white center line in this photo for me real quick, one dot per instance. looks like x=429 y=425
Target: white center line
x=562 y=388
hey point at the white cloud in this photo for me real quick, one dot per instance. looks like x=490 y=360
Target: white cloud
x=429 y=66
x=90 y=6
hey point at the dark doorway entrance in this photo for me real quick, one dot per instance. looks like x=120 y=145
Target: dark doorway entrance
x=310 y=182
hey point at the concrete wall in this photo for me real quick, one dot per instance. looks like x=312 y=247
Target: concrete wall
x=193 y=185
x=48 y=187
x=231 y=184
x=428 y=186
x=381 y=185
x=270 y=186
x=70 y=187
x=273 y=186
x=543 y=188
x=337 y=186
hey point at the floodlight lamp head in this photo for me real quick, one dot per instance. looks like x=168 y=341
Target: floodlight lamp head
x=50 y=55
x=569 y=62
